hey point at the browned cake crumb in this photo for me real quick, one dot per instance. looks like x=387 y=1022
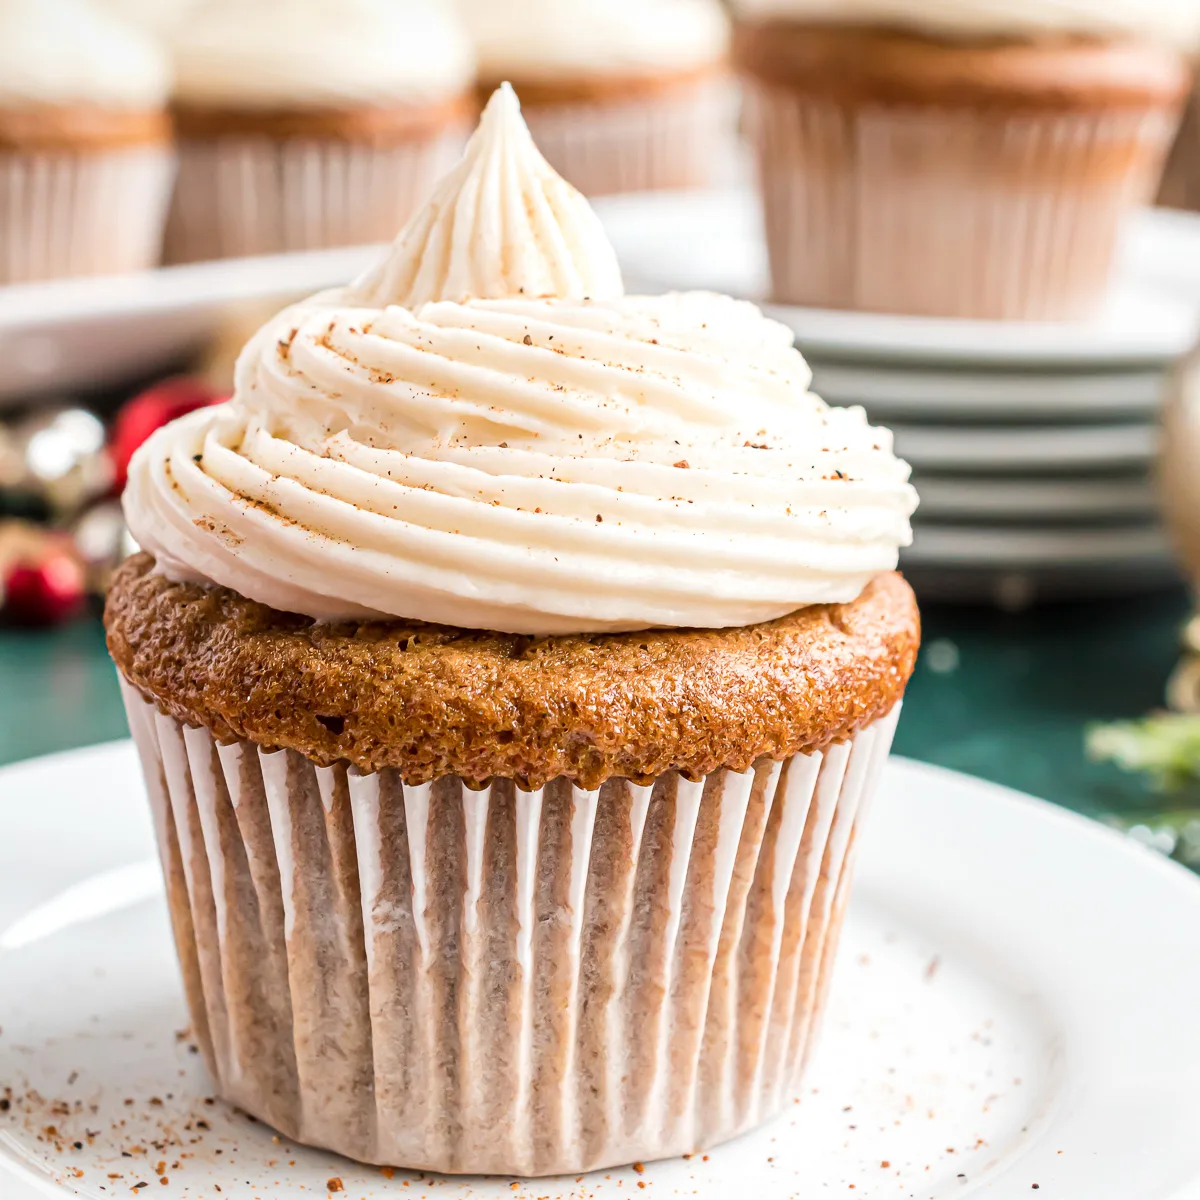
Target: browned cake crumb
x=432 y=701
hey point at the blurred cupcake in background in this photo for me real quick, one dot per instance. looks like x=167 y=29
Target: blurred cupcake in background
x=965 y=158
x=621 y=95
x=304 y=124
x=85 y=155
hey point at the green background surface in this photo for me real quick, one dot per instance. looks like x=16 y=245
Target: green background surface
x=1007 y=697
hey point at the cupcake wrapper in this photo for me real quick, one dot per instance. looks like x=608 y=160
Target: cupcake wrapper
x=677 y=138
x=239 y=196
x=65 y=213
x=948 y=212
x=499 y=981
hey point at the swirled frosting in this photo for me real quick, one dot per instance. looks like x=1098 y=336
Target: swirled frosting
x=64 y=52
x=317 y=53
x=547 y=40
x=506 y=441
x=1176 y=22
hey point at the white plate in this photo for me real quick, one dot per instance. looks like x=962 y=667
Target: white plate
x=1014 y=1005
x=1124 y=547
x=714 y=240
x=1094 y=498
x=899 y=394
x=1034 y=448
x=76 y=333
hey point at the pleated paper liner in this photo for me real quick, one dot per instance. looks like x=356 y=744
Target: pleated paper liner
x=679 y=137
x=240 y=195
x=954 y=212
x=501 y=981
x=67 y=213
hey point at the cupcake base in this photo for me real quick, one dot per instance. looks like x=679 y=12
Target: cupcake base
x=503 y=981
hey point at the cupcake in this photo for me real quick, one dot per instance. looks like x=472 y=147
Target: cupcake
x=957 y=158
x=85 y=155
x=304 y=124
x=621 y=95
x=512 y=662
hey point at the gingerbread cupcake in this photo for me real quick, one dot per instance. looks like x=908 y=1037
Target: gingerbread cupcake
x=621 y=95
x=85 y=150
x=304 y=124
x=512 y=662
x=957 y=158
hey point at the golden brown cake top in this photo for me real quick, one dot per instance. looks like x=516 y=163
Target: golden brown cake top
x=364 y=124
x=867 y=64
x=433 y=701
x=80 y=128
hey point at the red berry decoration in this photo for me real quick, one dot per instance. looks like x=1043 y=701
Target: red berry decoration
x=45 y=591
x=151 y=410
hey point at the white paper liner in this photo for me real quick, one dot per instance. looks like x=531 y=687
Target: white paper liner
x=240 y=196
x=948 y=212
x=500 y=981
x=65 y=213
x=681 y=137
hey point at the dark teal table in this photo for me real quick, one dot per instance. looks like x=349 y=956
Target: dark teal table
x=1003 y=696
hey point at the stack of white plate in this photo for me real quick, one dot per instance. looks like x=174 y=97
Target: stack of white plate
x=1032 y=446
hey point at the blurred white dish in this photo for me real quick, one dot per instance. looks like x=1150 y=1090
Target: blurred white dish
x=890 y=393
x=1039 y=499
x=1013 y=1007
x=1026 y=448
x=970 y=546
x=83 y=333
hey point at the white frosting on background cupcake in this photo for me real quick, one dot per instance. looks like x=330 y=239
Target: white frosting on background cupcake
x=283 y=53
x=485 y=431
x=160 y=17
x=527 y=40
x=1173 y=21
x=66 y=52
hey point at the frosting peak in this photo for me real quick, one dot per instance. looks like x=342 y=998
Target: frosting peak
x=501 y=224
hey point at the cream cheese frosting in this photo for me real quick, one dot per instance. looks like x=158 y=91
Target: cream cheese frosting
x=305 y=53
x=64 y=52
x=539 y=40
x=485 y=431
x=1176 y=22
